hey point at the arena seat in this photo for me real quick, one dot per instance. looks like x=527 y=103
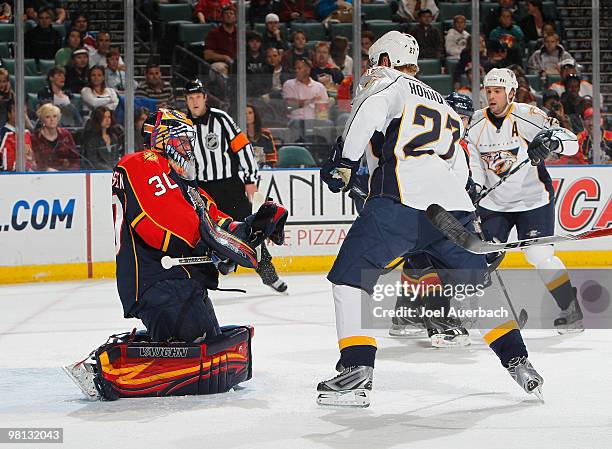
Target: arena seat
x=341 y=29
x=376 y=11
x=44 y=65
x=4 y=50
x=175 y=13
x=194 y=32
x=380 y=27
x=450 y=10
x=7 y=32
x=440 y=83
x=29 y=69
x=429 y=66
x=295 y=156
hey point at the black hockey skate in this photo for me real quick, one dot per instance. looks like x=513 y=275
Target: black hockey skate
x=446 y=332
x=350 y=388
x=570 y=319
x=408 y=319
x=523 y=372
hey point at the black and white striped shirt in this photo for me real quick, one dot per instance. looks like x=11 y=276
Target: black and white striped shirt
x=221 y=149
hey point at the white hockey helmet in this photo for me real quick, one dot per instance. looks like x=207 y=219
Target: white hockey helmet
x=501 y=78
x=402 y=49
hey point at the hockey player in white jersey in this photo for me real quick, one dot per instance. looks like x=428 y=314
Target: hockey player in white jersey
x=417 y=135
x=500 y=137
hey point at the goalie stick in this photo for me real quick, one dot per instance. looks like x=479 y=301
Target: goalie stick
x=455 y=231
x=169 y=262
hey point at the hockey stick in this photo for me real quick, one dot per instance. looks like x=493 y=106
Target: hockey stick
x=484 y=193
x=522 y=317
x=169 y=262
x=455 y=231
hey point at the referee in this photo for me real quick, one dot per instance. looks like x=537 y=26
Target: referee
x=222 y=151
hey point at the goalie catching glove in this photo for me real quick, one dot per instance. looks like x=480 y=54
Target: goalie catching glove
x=339 y=172
x=544 y=143
x=234 y=242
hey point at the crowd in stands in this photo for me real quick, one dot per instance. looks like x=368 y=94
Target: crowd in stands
x=77 y=119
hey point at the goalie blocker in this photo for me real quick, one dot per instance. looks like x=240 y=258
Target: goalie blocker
x=131 y=365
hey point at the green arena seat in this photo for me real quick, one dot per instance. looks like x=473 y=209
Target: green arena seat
x=429 y=66
x=441 y=83
x=450 y=10
x=376 y=11
x=29 y=69
x=175 y=13
x=194 y=32
x=295 y=156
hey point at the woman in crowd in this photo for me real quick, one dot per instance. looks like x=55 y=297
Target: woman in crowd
x=101 y=145
x=72 y=42
x=96 y=94
x=261 y=139
x=54 y=147
x=6 y=94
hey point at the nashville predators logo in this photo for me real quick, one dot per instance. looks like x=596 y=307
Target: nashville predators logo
x=149 y=156
x=500 y=162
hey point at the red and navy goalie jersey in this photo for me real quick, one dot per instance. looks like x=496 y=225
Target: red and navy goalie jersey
x=154 y=218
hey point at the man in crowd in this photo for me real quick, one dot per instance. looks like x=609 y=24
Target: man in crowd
x=77 y=71
x=430 y=40
x=155 y=87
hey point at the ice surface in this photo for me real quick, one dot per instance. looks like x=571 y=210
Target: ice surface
x=423 y=397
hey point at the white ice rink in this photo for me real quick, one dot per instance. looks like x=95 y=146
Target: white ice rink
x=422 y=398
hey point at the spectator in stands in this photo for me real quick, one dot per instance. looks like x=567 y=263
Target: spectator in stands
x=465 y=57
x=510 y=34
x=140 y=115
x=273 y=36
x=258 y=11
x=551 y=104
x=497 y=53
x=334 y=10
x=155 y=87
x=533 y=24
x=98 y=57
x=275 y=75
x=339 y=55
x=323 y=71
x=71 y=43
x=545 y=61
x=43 y=41
x=430 y=40
x=77 y=71
x=114 y=75
x=6 y=15
x=456 y=38
x=467 y=89
x=297 y=50
x=570 y=98
x=568 y=67
x=299 y=10
x=585 y=139
x=256 y=55
x=261 y=139
x=80 y=23
x=409 y=10
x=210 y=10
x=54 y=148
x=492 y=16
x=302 y=93
x=101 y=144
x=6 y=94
x=367 y=39
x=32 y=9
x=96 y=93
x=220 y=48
x=8 y=143
x=525 y=93
x=56 y=93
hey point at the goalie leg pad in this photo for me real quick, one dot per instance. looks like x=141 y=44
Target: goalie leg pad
x=128 y=367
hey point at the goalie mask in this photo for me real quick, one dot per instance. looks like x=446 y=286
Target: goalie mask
x=171 y=133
